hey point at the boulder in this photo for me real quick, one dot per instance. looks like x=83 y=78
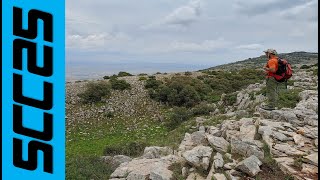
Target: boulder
x=214 y=131
x=218 y=143
x=116 y=160
x=289 y=150
x=246 y=149
x=309 y=169
x=192 y=140
x=311 y=159
x=280 y=136
x=218 y=160
x=250 y=165
x=298 y=139
x=265 y=130
x=199 y=156
x=248 y=129
x=156 y=152
x=144 y=168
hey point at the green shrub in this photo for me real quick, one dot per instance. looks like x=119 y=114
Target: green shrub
x=288 y=98
x=202 y=109
x=117 y=84
x=142 y=74
x=230 y=99
x=132 y=149
x=106 y=77
x=123 y=74
x=178 y=116
x=152 y=83
x=95 y=91
x=315 y=72
x=142 y=78
x=83 y=168
x=188 y=73
x=305 y=67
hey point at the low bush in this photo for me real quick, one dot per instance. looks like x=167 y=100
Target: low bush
x=188 y=73
x=83 y=168
x=142 y=74
x=202 y=109
x=95 y=91
x=178 y=116
x=305 y=67
x=152 y=83
x=288 y=98
x=230 y=99
x=106 y=77
x=117 y=84
x=123 y=74
x=143 y=78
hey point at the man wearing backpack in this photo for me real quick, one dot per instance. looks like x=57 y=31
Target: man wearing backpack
x=272 y=84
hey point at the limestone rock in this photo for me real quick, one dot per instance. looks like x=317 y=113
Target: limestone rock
x=116 y=160
x=298 y=139
x=218 y=143
x=199 y=156
x=250 y=165
x=312 y=159
x=218 y=160
x=247 y=129
x=246 y=149
x=309 y=169
x=144 y=168
x=156 y=152
x=289 y=150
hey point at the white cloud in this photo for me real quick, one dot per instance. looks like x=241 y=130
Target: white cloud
x=95 y=41
x=257 y=7
x=307 y=11
x=250 y=47
x=185 y=15
x=181 y=16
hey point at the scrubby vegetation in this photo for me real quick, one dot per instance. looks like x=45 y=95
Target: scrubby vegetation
x=188 y=92
x=123 y=74
x=87 y=167
x=117 y=84
x=288 y=98
x=95 y=91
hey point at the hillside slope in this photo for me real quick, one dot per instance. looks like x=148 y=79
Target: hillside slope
x=132 y=128
x=295 y=58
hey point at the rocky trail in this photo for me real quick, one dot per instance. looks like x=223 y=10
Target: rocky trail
x=238 y=149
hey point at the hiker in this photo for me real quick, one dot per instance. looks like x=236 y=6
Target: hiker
x=272 y=84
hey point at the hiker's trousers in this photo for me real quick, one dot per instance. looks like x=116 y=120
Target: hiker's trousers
x=272 y=91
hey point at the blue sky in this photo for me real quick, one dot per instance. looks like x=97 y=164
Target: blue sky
x=187 y=31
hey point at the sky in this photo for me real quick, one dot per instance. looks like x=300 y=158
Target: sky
x=187 y=31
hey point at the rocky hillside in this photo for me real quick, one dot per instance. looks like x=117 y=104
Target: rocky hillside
x=295 y=58
x=239 y=148
x=236 y=140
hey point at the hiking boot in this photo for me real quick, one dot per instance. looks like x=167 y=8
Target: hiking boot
x=267 y=107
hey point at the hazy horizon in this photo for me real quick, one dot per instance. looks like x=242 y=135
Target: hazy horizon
x=191 y=32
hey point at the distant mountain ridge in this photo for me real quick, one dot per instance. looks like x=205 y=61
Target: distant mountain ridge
x=294 y=58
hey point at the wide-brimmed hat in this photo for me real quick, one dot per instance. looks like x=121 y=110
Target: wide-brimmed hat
x=271 y=51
